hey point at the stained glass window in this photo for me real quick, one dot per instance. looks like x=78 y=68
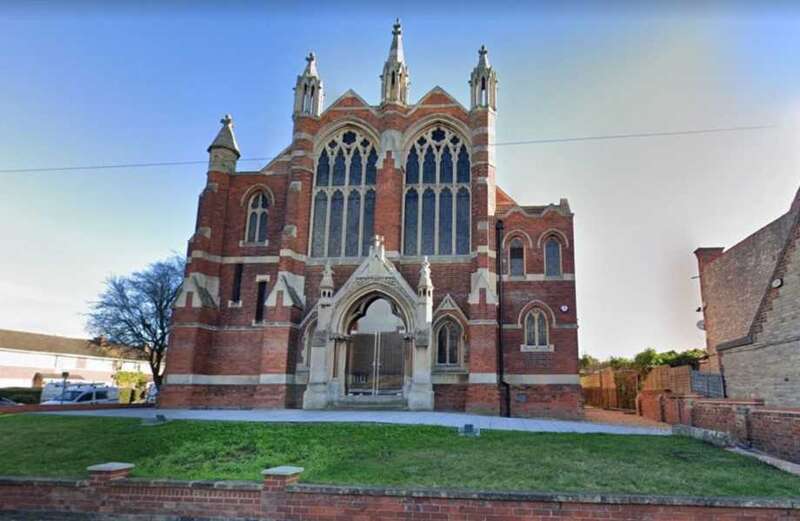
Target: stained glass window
x=410 y=224
x=323 y=169
x=412 y=167
x=552 y=257
x=335 y=234
x=435 y=152
x=445 y=222
x=338 y=169
x=428 y=222
x=353 y=218
x=338 y=228
x=320 y=219
x=429 y=166
x=355 y=169
x=446 y=174
x=463 y=211
x=463 y=165
x=369 y=221
x=372 y=171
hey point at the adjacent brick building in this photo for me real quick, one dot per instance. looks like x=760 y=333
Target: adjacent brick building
x=751 y=308
x=358 y=268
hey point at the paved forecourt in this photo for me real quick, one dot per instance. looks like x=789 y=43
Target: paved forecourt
x=388 y=417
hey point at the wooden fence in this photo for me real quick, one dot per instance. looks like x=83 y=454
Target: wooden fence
x=610 y=389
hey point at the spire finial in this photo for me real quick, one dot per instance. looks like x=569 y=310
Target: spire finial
x=311 y=65
x=397 y=28
x=226 y=120
x=483 y=57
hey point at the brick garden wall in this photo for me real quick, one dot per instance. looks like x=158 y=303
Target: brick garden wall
x=749 y=423
x=111 y=495
x=15 y=409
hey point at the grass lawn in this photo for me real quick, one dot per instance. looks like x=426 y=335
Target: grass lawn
x=386 y=455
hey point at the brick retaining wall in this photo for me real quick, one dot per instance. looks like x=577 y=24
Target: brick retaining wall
x=14 y=409
x=110 y=494
x=748 y=422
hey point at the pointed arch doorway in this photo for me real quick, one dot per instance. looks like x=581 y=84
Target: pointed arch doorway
x=376 y=354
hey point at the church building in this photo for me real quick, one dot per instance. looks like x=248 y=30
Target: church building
x=358 y=268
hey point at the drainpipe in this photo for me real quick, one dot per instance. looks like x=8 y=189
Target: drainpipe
x=505 y=390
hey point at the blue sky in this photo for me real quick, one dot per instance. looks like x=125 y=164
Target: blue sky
x=97 y=83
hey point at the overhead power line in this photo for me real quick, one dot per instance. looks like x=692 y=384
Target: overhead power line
x=507 y=143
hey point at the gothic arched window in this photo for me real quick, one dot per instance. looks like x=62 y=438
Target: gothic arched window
x=536 y=329
x=449 y=338
x=516 y=258
x=552 y=257
x=344 y=198
x=434 y=223
x=257 y=218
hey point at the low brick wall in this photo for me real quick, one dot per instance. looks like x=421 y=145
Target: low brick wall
x=109 y=494
x=776 y=432
x=747 y=422
x=12 y=409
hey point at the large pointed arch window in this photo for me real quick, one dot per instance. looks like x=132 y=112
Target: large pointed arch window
x=436 y=209
x=257 y=218
x=344 y=196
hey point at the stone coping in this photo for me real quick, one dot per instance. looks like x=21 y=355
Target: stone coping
x=546 y=497
x=110 y=467
x=41 y=481
x=201 y=484
x=535 y=497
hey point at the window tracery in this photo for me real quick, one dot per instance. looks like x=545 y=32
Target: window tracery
x=344 y=197
x=436 y=224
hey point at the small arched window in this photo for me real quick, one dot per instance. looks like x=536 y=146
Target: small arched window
x=257 y=218
x=449 y=337
x=516 y=258
x=536 y=329
x=552 y=257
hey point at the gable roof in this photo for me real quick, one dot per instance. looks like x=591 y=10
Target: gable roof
x=735 y=284
x=25 y=341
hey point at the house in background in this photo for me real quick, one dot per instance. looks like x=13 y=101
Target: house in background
x=751 y=312
x=31 y=359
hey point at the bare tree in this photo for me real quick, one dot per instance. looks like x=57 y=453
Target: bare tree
x=136 y=311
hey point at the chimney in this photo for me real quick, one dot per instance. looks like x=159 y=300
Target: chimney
x=706 y=256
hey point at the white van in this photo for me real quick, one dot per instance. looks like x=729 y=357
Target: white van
x=77 y=394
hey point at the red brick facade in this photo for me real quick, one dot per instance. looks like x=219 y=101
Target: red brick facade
x=220 y=356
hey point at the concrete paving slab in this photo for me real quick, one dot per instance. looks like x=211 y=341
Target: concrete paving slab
x=387 y=417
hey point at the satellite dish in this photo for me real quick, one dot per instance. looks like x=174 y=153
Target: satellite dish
x=701 y=325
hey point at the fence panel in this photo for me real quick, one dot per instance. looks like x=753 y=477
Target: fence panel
x=707 y=384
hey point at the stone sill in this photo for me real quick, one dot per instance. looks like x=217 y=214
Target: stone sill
x=537 y=349
x=545 y=497
x=245 y=244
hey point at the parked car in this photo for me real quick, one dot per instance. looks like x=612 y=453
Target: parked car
x=85 y=394
x=52 y=390
x=5 y=402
